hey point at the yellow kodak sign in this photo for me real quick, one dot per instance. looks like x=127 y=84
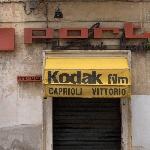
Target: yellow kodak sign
x=87 y=82
x=87 y=91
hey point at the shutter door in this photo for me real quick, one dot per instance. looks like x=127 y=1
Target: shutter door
x=86 y=124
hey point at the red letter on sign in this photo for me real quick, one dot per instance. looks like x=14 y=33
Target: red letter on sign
x=73 y=33
x=129 y=32
x=98 y=32
x=36 y=33
x=7 y=39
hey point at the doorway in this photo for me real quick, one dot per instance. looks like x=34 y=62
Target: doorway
x=86 y=124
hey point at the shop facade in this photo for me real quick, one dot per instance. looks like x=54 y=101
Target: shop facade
x=77 y=82
x=84 y=112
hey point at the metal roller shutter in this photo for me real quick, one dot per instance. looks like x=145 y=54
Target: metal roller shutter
x=86 y=124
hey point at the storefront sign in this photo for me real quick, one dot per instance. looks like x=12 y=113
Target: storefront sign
x=128 y=32
x=101 y=81
x=88 y=77
x=29 y=78
x=87 y=91
x=7 y=39
x=82 y=33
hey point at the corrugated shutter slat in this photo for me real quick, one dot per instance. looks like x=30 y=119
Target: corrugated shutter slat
x=86 y=124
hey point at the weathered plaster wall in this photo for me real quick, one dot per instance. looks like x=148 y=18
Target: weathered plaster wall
x=21 y=104
x=140 y=122
x=23 y=137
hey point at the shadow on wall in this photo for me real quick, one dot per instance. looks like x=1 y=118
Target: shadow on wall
x=17 y=145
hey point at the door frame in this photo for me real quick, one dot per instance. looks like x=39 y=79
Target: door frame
x=125 y=124
x=125 y=103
